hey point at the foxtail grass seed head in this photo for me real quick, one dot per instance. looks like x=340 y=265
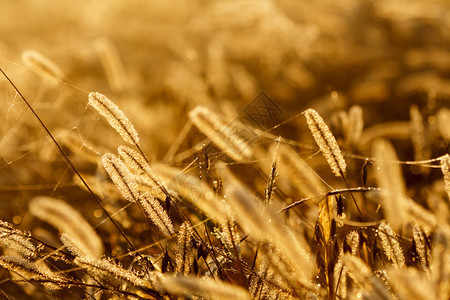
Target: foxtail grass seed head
x=34 y=271
x=355 y=124
x=426 y=219
x=263 y=225
x=440 y=263
x=220 y=133
x=115 y=117
x=419 y=238
x=411 y=284
x=134 y=160
x=184 y=253
x=121 y=176
x=202 y=287
x=16 y=240
x=105 y=268
x=356 y=268
x=353 y=241
x=418 y=135
x=194 y=190
x=230 y=237
x=304 y=179
x=270 y=186
x=390 y=179
x=340 y=277
x=366 y=282
x=391 y=245
x=326 y=142
x=157 y=214
x=139 y=165
x=68 y=221
x=114 y=69
x=41 y=64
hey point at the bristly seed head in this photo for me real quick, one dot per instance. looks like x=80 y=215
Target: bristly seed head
x=115 y=117
x=121 y=176
x=326 y=142
x=221 y=134
x=157 y=214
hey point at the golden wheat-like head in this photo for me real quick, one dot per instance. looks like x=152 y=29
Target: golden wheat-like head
x=106 y=269
x=32 y=271
x=220 y=133
x=391 y=245
x=112 y=64
x=390 y=180
x=16 y=240
x=121 y=176
x=69 y=221
x=42 y=65
x=115 y=117
x=202 y=287
x=184 y=253
x=326 y=141
x=157 y=213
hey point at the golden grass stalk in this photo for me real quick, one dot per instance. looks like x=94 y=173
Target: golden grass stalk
x=326 y=142
x=157 y=214
x=139 y=165
x=420 y=242
x=16 y=240
x=31 y=271
x=115 y=117
x=220 y=133
x=422 y=217
x=280 y=272
x=391 y=246
x=340 y=277
x=202 y=287
x=69 y=222
x=419 y=140
x=218 y=73
x=74 y=142
x=230 y=237
x=190 y=188
x=410 y=284
x=244 y=82
x=443 y=119
x=326 y=217
x=357 y=269
x=440 y=263
x=353 y=125
x=114 y=69
x=270 y=187
x=302 y=176
x=121 y=176
x=42 y=65
x=99 y=187
x=107 y=269
x=183 y=259
x=390 y=180
x=353 y=240
x=263 y=224
x=258 y=288
x=386 y=130
x=366 y=283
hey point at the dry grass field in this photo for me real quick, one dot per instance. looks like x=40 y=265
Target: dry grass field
x=225 y=149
